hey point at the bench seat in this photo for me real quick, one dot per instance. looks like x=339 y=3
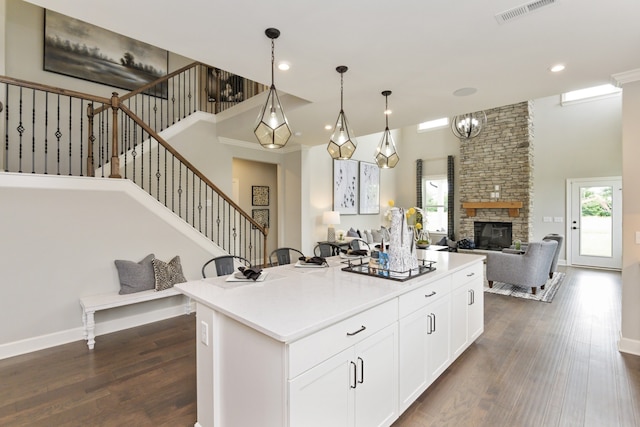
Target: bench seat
x=92 y=303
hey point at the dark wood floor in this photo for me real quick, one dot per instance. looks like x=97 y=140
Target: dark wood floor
x=537 y=364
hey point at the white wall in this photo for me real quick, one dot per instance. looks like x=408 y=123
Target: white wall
x=60 y=237
x=318 y=167
x=580 y=140
x=630 y=332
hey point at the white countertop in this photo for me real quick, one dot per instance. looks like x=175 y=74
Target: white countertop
x=292 y=302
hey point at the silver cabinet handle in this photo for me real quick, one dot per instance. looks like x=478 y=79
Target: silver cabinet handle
x=353 y=365
x=362 y=328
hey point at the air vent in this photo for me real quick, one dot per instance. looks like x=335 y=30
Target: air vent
x=520 y=11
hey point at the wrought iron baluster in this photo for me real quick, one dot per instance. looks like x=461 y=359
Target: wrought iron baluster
x=58 y=136
x=33 y=131
x=81 y=133
x=70 y=136
x=20 y=130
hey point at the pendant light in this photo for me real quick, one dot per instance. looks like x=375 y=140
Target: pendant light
x=342 y=143
x=467 y=126
x=272 y=129
x=386 y=153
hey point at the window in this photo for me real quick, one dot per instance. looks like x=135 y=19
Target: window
x=435 y=196
x=433 y=124
x=590 y=93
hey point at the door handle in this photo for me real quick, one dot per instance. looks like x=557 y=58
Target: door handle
x=361 y=380
x=353 y=368
x=362 y=328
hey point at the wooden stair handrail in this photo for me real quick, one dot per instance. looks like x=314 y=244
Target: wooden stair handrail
x=190 y=166
x=56 y=90
x=152 y=84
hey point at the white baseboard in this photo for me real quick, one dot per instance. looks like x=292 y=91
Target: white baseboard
x=626 y=345
x=29 y=345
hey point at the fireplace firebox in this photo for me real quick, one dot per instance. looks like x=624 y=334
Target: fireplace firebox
x=493 y=236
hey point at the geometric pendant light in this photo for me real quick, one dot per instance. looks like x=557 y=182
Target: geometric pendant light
x=386 y=153
x=272 y=128
x=467 y=126
x=342 y=143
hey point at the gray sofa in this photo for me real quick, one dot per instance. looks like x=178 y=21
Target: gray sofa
x=530 y=269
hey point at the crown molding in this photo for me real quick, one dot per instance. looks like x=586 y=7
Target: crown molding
x=630 y=76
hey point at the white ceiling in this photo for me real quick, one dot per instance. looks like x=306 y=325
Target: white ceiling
x=421 y=50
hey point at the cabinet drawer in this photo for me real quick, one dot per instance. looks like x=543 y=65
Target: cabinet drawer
x=473 y=272
x=309 y=351
x=416 y=299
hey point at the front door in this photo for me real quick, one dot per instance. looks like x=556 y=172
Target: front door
x=595 y=229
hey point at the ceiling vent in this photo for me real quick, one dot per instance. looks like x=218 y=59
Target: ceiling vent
x=525 y=9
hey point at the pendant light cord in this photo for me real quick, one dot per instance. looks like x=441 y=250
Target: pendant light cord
x=341 y=90
x=272 y=62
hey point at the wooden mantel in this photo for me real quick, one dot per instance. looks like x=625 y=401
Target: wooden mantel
x=514 y=207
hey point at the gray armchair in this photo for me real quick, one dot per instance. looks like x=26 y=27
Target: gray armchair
x=530 y=269
x=554 y=264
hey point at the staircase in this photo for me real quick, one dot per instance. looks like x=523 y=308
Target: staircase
x=55 y=131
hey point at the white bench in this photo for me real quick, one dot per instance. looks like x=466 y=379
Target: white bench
x=92 y=303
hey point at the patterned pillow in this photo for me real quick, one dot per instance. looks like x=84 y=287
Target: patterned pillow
x=135 y=276
x=168 y=274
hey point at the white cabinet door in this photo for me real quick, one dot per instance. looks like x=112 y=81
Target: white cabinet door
x=376 y=389
x=357 y=387
x=438 y=341
x=413 y=378
x=476 y=309
x=323 y=396
x=460 y=299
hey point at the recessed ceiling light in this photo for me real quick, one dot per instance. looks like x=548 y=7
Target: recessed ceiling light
x=465 y=91
x=283 y=66
x=557 y=68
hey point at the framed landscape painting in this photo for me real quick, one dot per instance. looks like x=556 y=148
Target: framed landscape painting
x=79 y=49
x=345 y=186
x=369 y=188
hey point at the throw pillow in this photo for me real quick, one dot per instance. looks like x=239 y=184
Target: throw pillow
x=168 y=274
x=352 y=233
x=376 y=235
x=368 y=236
x=135 y=276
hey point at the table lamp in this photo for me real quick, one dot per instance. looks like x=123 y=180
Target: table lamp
x=331 y=218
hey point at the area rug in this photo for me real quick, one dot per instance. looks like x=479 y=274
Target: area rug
x=544 y=295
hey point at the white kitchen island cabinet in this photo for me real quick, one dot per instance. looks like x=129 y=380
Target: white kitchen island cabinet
x=318 y=347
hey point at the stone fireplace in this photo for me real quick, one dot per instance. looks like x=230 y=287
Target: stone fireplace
x=499 y=161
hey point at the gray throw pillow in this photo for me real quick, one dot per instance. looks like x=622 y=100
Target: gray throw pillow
x=168 y=274
x=376 y=236
x=135 y=276
x=352 y=233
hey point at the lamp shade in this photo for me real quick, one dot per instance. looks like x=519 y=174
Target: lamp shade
x=331 y=218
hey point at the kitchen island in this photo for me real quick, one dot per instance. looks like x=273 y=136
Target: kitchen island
x=325 y=347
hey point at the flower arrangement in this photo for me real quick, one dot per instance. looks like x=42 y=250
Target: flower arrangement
x=415 y=218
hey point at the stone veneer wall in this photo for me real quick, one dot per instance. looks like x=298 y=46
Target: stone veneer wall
x=501 y=155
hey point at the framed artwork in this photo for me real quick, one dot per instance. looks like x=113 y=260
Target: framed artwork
x=345 y=186
x=259 y=195
x=369 y=188
x=79 y=49
x=261 y=216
